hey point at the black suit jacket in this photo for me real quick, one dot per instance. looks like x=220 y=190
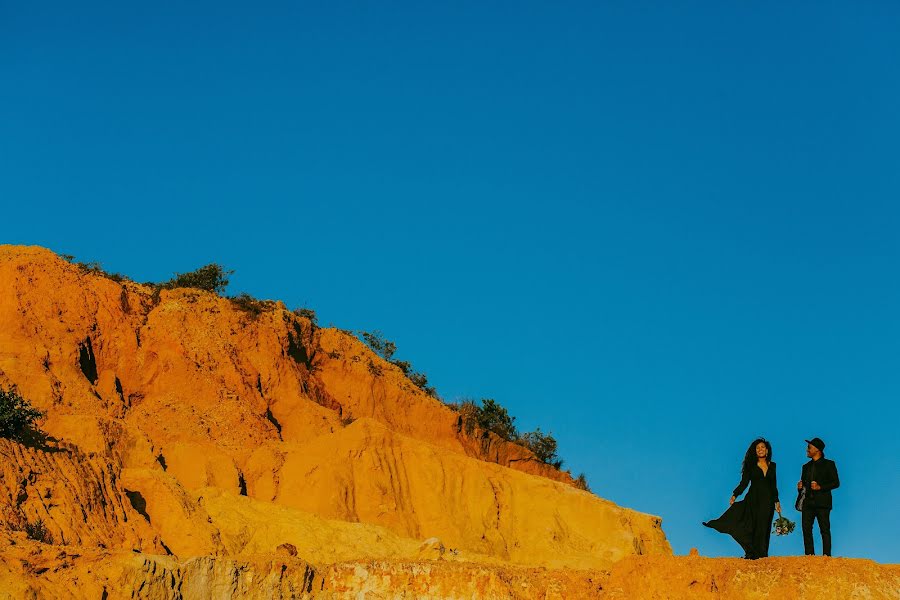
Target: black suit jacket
x=824 y=472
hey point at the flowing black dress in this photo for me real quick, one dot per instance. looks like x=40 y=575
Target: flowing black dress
x=749 y=521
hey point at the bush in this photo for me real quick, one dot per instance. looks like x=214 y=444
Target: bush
x=251 y=305
x=380 y=346
x=403 y=365
x=468 y=413
x=581 y=483
x=17 y=415
x=308 y=313
x=212 y=278
x=374 y=369
x=489 y=416
x=94 y=268
x=420 y=380
x=38 y=531
x=543 y=445
x=493 y=417
x=386 y=349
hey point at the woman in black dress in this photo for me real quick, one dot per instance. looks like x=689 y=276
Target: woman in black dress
x=749 y=521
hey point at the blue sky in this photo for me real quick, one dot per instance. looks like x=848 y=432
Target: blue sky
x=656 y=231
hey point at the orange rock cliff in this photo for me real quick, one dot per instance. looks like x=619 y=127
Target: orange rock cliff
x=195 y=446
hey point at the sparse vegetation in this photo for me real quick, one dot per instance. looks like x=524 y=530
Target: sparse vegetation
x=374 y=369
x=94 y=268
x=493 y=417
x=380 y=346
x=38 y=531
x=488 y=415
x=581 y=483
x=251 y=305
x=403 y=365
x=468 y=413
x=420 y=380
x=386 y=349
x=308 y=313
x=17 y=416
x=212 y=278
x=543 y=445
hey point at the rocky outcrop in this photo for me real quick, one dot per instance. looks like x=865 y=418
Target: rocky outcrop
x=30 y=570
x=35 y=571
x=167 y=392
x=456 y=581
x=800 y=578
x=635 y=578
x=76 y=499
x=199 y=376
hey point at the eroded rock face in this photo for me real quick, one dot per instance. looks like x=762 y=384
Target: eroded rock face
x=348 y=370
x=30 y=571
x=79 y=500
x=199 y=377
x=370 y=474
x=164 y=393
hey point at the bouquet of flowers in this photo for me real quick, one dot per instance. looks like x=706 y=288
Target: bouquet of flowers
x=783 y=526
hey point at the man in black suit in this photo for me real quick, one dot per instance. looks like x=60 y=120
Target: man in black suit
x=819 y=476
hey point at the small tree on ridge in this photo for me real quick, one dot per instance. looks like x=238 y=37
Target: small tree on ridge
x=17 y=415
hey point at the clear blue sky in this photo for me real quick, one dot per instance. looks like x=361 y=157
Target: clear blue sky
x=656 y=231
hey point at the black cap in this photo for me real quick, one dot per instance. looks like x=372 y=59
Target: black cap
x=817 y=442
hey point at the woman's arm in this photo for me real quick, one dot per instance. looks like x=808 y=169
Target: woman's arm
x=775 y=487
x=745 y=481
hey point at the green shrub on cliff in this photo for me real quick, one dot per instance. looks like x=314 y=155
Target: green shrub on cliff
x=493 y=417
x=581 y=483
x=386 y=349
x=380 y=346
x=250 y=305
x=94 y=268
x=468 y=414
x=420 y=380
x=17 y=415
x=488 y=415
x=308 y=313
x=212 y=278
x=543 y=445
x=38 y=531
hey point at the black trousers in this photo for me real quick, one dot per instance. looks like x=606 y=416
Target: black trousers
x=823 y=515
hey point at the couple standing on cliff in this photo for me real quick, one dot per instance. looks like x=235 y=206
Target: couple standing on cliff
x=749 y=521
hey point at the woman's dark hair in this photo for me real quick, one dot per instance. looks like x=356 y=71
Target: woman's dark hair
x=750 y=457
